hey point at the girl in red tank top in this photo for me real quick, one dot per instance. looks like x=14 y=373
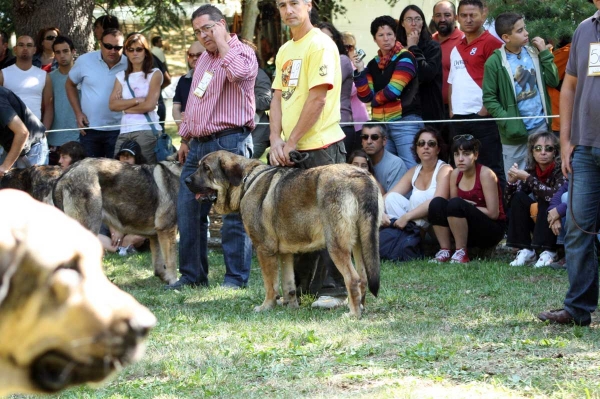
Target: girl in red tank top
x=474 y=214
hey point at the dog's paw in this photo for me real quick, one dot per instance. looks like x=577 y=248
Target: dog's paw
x=264 y=307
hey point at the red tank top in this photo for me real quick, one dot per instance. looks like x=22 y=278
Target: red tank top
x=476 y=193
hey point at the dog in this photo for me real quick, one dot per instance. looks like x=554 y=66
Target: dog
x=35 y=180
x=287 y=211
x=62 y=322
x=133 y=199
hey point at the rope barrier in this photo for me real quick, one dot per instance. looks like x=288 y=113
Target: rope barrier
x=400 y=122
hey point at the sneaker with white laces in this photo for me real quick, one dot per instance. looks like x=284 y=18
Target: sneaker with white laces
x=460 y=256
x=442 y=256
x=524 y=257
x=546 y=259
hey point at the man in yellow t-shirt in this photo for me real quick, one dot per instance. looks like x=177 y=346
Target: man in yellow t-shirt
x=305 y=109
x=305 y=116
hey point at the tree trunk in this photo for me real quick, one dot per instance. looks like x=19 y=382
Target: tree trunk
x=74 y=18
x=249 y=21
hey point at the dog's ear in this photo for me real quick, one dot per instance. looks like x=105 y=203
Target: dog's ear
x=232 y=170
x=10 y=258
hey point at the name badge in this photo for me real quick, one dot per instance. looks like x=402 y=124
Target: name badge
x=203 y=85
x=594 y=60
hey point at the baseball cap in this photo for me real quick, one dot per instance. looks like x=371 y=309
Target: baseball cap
x=130 y=146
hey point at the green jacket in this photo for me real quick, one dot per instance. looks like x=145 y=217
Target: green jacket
x=499 y=92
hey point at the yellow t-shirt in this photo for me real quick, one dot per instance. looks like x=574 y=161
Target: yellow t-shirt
x=301 y=65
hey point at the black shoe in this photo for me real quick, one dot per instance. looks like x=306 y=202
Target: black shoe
x=179 y=285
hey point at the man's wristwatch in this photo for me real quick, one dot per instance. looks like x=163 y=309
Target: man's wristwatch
x=185 y=141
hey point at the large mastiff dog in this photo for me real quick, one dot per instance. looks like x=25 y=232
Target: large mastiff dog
x=62 y=322
x=287 y=211
x=134 y=199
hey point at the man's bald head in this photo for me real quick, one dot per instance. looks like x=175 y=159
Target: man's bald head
x=194 y=52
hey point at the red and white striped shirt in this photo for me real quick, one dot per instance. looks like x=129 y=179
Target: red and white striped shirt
x=228 y=101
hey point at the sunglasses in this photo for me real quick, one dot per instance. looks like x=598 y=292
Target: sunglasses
x=430 y=143
x=109 y=46
x=539 y=148
x=349 y=47
x=194 y=55
x=135 y=50
x=373 y=137
x=50 y=37
x=467 y=137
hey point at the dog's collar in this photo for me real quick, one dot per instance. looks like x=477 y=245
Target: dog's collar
x=268 y=169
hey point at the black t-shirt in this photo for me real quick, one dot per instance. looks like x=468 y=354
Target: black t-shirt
x=182 y=91
x=161 y=66
x=11 y=106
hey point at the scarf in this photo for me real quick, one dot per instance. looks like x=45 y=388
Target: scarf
x=385 y=59
x=544 y=175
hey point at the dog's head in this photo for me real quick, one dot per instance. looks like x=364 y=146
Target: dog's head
x=218 y=179
x=62 y=322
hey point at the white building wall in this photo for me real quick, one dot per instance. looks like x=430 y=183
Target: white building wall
x=360 y=14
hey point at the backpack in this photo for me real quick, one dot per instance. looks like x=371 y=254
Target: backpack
x=400 y=245
x=164 y=146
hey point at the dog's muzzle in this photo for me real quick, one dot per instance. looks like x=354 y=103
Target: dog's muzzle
x=203 y=194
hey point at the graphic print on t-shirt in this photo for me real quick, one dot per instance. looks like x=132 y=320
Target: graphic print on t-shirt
x=529 y=101
x=290 y=76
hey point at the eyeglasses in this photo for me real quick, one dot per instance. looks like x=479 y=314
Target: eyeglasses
x=349 y=47
x=50 y=37
x=204 y=29
x=373 y=137
x=135 y=50
x=466 y=137
x=194 y=55
x=547 y=148
x=28 y=45
x=109 y=47
x=430 y=143
x=416 y=20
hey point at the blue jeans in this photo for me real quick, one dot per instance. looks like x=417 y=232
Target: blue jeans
x=38 y=155
x=582 y=264
x=99 y=143
x=401 y=136
x=192 y=218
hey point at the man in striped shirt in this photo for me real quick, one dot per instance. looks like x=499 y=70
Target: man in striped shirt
x=219 y=115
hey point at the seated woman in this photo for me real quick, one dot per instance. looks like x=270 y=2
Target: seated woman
x=541 y=179
x=428 y=179
x=474 y=214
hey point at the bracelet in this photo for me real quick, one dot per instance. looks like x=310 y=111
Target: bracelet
x=185 y=141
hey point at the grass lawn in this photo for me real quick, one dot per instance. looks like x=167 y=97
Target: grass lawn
x=449 y=331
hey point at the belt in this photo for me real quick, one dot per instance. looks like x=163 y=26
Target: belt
x=222 y=133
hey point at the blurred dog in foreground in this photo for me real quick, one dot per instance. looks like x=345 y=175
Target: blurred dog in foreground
x=62 y=323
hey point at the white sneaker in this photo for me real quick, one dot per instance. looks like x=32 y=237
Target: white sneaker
x=524 y=257
x=546 y=259
x=329 y=302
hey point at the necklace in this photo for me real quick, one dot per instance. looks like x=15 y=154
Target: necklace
x=517 y=54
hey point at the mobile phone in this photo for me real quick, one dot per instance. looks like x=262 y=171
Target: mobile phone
x=360 y=53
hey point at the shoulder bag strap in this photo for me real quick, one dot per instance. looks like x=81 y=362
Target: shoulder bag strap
x=145 y=114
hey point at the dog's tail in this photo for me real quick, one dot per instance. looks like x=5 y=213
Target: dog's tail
x=368 y=228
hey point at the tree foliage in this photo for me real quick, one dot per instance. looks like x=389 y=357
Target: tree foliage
x=550 y=19
x=156 y=14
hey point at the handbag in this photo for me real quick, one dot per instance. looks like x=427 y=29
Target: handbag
x=400 y=245
x=164 y=145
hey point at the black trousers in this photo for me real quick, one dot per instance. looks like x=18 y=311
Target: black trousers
x=521 y=226
x=352 y=140
x=483 y=231
x=315 y=272
x=486 y=131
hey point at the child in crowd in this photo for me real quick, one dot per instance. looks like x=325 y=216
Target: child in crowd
x=70 y=152
x=474 y=215
x=514 y=85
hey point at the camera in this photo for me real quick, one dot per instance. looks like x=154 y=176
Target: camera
x=360 y=53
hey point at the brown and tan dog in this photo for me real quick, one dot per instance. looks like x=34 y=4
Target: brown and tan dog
x=62 y=323
x=287 y=211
